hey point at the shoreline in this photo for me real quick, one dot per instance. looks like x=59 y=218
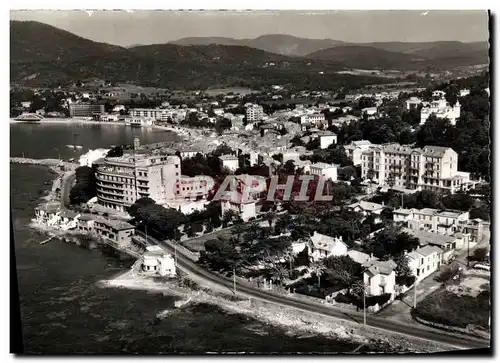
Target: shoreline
x=295 y=322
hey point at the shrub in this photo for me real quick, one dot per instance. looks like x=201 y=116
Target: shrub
x=294 y=274
x=405 y=280
x=447 y=308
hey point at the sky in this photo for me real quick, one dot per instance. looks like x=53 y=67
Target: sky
x=127 y=28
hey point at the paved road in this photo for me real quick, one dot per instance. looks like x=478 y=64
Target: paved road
x=426 y=333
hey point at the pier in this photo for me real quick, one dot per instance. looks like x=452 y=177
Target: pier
x=45 y=162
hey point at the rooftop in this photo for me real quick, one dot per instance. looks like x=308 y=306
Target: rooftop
x=430 y=238
x=324 y=242
x=382 y=267
x=368 y=206
x=324 y=166
x=116 y=224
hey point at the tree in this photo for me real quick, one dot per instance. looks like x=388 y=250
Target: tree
x=317 y=268
x=343 y=270
x=479 y=254
x=279 y=274
x=219 y=255
x=404 y=275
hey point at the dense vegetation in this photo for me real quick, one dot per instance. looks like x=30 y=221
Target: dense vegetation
x=447 y=308
x=85 y=186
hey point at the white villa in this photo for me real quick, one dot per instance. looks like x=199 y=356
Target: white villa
x=424 y=261
x=440 y=108
x=380 y=278
x=322 y=246
x=156 y=261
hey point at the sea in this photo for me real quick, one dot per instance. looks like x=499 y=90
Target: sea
x=63 y=311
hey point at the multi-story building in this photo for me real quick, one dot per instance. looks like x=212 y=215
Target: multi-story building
x=432 y=168
x=321 y=246
x=413 y=103
x=380 y=278
x=313 y=119
x=326 y=138
x=85 y=110
x=440 y=108
x=116 y=231
x=123 y=180
x=440 y=221
x=424 y=261
x=254 y=113
x=230 y=162
x=153 y=113
x=322 y=169
x=355 y=150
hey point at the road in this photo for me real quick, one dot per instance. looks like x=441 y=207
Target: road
x=422 y=332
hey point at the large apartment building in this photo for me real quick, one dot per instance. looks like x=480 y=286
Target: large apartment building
x=123 y=180
x=254 y=113
x=85 y=110
x=432 y=168
x=160 y=114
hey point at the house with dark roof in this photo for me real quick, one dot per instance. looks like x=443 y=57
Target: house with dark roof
x=380 y=278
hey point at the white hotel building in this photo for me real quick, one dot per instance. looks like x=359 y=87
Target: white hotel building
x=440 y=108
x=123 y=180
x=431 y=168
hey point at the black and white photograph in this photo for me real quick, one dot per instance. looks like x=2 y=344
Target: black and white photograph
x=257 y=182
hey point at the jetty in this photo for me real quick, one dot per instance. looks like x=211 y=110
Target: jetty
x=45 y=162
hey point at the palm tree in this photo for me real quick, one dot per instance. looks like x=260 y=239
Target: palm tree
x=279 y=274
x=317 y=268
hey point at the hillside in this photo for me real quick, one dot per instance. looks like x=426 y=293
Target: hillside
x=354 y=56
x=30 y=40
x=460 y=54
x=273 y=43
x=43 y=55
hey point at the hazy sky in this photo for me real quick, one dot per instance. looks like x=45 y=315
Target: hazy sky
x=148 y=27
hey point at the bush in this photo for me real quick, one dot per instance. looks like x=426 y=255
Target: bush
x=405 y=280
x=447 y=308
x=294 y=274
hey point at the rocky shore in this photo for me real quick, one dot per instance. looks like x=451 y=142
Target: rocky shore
x=296 y=322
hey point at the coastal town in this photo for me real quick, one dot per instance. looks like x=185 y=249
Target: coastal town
x=399 y=217
x=333 y=200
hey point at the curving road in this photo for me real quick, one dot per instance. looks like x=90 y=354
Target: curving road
x=454 y=340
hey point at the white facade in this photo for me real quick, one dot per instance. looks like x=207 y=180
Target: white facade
x=355 y=150
x=313 y=119
x=156 y=261
x=329 y=171
x=244 y=210
x=326 y=139
x=380 y=278
x=369 y=111
x=413 y=103
x=441 y=109
x=229 y=161
x=322 y=246
x=254 y=113
x=438 y=221
x=432 y=168
x=424 y=261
